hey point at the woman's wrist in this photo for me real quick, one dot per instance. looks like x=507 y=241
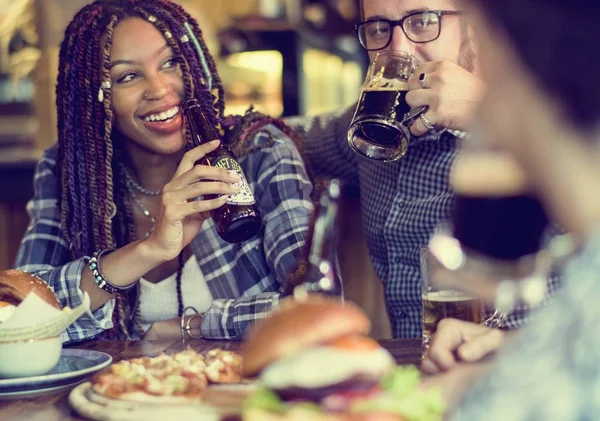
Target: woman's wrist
x=191 y=324
x=100 y=280
x=150 y=253
x=103 y=263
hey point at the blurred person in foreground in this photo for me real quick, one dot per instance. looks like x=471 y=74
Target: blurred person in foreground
x=121 y=210
x=544 y=110
x=402 y=202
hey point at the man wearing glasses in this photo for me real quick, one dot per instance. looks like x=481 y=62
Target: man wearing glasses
x=436 y=34
x=402 y=202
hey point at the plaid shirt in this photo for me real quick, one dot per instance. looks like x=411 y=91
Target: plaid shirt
x=244 y=279
x=402 y=203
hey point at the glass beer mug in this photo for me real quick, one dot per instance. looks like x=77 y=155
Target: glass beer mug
x=380 y=127
x=494 y=246
x=439 y=301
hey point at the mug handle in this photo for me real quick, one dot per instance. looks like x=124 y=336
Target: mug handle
x=504 y=303
x=413 y=114
x=495 y=320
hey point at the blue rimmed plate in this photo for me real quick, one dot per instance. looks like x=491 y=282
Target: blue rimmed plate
x=74 y=366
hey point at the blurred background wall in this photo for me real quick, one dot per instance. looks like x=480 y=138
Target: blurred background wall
x=285 y=57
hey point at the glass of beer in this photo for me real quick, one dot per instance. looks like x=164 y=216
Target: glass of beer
x=441 y=303
x=494 y=242
x=379 y=129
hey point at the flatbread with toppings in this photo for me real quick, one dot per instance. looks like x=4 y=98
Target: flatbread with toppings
x=178 y=378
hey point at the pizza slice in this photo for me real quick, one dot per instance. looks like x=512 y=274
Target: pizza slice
x=223 y=366
x=177 y=378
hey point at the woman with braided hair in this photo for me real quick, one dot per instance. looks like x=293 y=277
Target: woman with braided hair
x=114 y=213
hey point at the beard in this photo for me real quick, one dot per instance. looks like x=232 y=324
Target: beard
x=466 y=55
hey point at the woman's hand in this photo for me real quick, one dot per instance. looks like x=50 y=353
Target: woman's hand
x=164 y=329
x=458 y=341
x=451 y=92
x=181 y=215
x=171 y=329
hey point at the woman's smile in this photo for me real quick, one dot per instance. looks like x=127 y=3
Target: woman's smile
x=164 y=120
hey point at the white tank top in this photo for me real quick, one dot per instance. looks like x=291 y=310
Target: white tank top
x=158 y=301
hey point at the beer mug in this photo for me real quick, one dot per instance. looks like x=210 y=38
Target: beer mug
x=440 y=302
x=494 y=241
x=494 y=245
x=380 y=127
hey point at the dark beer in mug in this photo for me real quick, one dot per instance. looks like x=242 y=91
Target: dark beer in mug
x=239 y=218
x=379 y=127
x=379 y=114
x=495 y=216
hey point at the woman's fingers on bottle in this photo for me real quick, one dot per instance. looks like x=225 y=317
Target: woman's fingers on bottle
x=201 y=172
x=175 y=213
x=196 y=206
x=193 y=155
x=195 y=190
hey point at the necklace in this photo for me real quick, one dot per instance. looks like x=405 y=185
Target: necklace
x=131 y=182
x=143 y=208
x=132 y=186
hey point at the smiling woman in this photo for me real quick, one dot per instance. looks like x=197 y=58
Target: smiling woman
x=118 y=211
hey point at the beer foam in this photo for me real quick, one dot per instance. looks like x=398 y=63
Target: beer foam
x=487 y=174
x=446 y=297
x=386 y=85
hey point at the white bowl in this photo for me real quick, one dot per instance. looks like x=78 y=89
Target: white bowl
x=33 y=357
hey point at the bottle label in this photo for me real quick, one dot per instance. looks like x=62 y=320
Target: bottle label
x=245 y=196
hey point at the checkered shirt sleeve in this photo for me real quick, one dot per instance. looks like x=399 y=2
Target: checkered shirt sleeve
x=44 y=252
x=260 y=267
x=326 y=148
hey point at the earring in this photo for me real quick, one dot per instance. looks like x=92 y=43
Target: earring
x=105 y=85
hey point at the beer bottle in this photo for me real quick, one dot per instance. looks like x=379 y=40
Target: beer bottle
x=320 y=274
x=239 y=218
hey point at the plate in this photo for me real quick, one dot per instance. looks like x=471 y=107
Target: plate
x=82 y=401
x=74 y=366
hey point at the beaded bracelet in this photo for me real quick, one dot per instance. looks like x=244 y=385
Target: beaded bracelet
x=103 y=283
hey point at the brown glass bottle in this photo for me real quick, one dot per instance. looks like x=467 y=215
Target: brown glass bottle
x=321 y=275
x=239 y=218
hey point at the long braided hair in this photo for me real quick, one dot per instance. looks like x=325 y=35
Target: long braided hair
x=96 y=210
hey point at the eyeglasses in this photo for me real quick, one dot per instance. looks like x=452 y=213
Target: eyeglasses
x=419 y=27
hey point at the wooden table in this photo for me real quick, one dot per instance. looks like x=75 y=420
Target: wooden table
x=56 y=407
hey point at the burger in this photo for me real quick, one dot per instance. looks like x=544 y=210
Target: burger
x=313 y=360
x=15 y=285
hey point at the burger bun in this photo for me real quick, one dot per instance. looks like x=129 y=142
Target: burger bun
x=298 y=325
x=15 y=285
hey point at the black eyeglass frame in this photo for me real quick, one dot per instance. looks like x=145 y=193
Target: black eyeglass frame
x=400 y=22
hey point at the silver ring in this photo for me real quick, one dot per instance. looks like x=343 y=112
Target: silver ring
x=422 y=78
x=426 y=122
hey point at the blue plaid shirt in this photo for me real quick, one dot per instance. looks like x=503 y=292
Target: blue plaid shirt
x=402 y=203
x=244 y=279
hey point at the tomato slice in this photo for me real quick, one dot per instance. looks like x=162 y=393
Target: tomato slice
x=356 y=342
